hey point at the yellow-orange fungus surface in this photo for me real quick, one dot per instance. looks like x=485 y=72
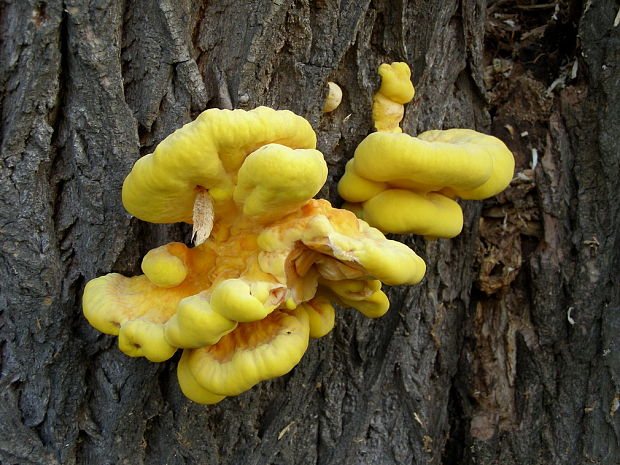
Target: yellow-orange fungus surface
x=248 y=336
x=403 y=184
x=272 y=261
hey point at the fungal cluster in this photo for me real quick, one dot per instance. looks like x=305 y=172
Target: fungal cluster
x=407 y=185
x=270 y=262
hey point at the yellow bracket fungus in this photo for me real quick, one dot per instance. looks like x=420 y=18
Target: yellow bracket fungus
x=269 y=261
x=404 y=184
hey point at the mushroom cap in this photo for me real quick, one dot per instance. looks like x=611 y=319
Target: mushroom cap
x=365 y=296
x=145 y=338
x=190 y=387
x=196 y=323
x=347 y=248
x=252 y=353
x=275 y=180
x=401 y=211
x=404 y=184
x=321 y=316
x=476 y=145
x=396 y=82
x=206 y=153
x=166 y=266
x=463 y=160
x=356 y=188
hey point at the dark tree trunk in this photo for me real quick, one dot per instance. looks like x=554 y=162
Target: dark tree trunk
x=507 y=352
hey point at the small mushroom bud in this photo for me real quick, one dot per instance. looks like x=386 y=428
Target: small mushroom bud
x=334 y=97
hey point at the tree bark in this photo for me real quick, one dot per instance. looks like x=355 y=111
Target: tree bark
x=507 y=352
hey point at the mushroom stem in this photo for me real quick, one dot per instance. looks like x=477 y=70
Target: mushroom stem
x=202 y=217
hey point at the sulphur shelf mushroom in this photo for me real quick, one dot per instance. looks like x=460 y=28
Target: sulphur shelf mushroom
x=268 y=264
x=404 y=184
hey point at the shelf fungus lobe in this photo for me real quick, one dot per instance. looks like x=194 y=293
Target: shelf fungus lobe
x=404 y=184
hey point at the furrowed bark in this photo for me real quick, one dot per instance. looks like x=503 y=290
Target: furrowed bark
x=506 y=352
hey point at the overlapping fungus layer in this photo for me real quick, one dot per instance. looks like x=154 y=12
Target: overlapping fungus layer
x=270 y=262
